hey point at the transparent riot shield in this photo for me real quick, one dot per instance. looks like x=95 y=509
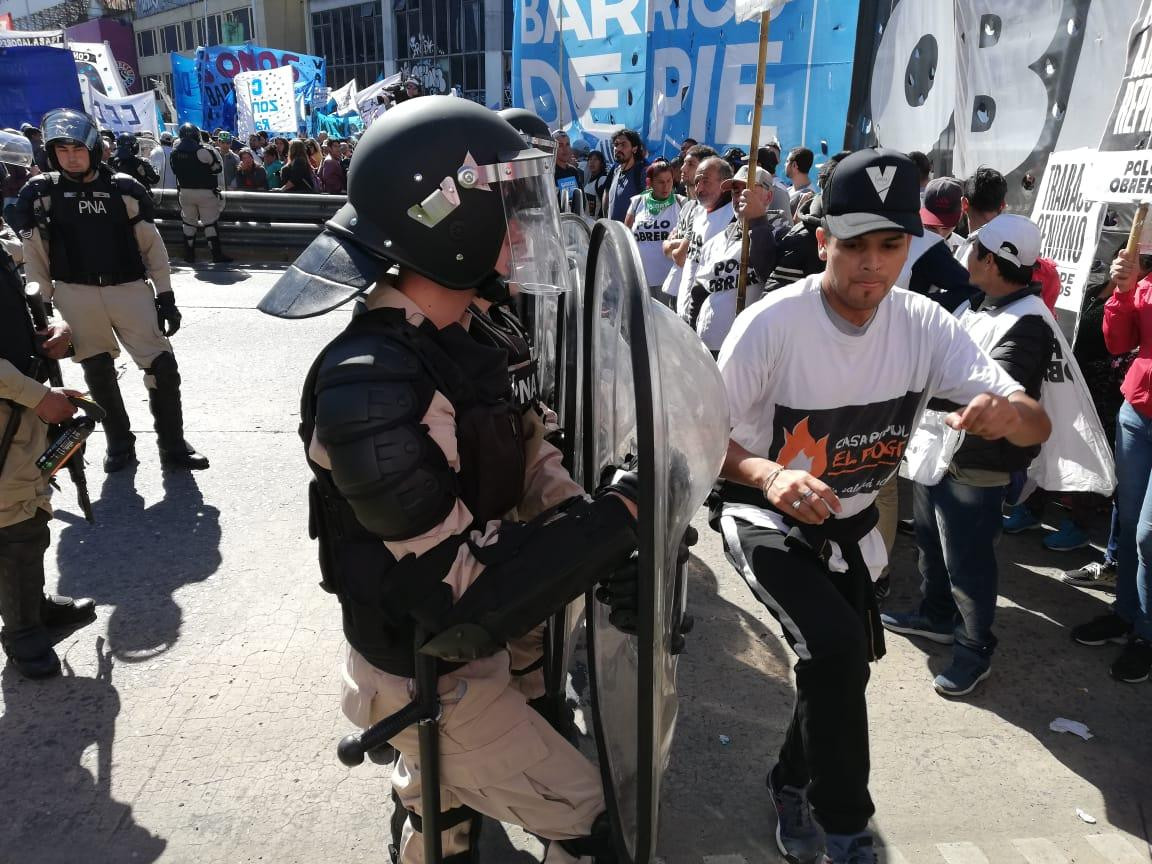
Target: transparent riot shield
x=560 y=638
x=653 y=398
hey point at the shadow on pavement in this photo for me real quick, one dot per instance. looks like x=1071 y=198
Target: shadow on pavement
x=137 y=557
x=55 y=810
x=736 y=697
x=1039 y=674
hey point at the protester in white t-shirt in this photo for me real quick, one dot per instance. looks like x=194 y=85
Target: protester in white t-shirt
x=825 y=382
x=710 y=216
x=712 y=305
x=652 y=216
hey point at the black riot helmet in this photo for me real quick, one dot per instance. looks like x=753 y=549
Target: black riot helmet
x=126 y=145
x=534 y=130
x=439 y=204
x=67 y=126
x=189 y=132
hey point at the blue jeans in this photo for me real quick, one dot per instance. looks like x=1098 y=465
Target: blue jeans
x=957 y=527
x=1113 y=538
x=1134 y=520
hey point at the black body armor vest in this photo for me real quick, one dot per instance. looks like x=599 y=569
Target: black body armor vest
x=90 y=237
x=17 y=338
x=500 y=328
x=378 y=595
x=190 y=172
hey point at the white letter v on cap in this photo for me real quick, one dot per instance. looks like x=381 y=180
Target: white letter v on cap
x=882 y=179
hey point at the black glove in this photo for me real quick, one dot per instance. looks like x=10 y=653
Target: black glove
x=623 y=481
x=167 y=315
x=620 y=591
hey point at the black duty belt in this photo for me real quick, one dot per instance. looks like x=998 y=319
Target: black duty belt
x=102 y=279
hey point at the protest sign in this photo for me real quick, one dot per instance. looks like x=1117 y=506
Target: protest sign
x=95 y=62
x=1070 y=225
x=265 y=102
x=130 y=114
x=218 y=65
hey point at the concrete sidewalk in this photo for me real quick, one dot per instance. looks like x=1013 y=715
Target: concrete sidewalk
x=198 y=717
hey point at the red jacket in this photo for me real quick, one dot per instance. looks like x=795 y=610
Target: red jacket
x=1128 y=326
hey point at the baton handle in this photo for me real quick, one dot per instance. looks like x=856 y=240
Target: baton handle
x=1137 y=228
x=754 y=146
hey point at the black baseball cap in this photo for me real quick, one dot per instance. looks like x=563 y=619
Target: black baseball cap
x=873 y=190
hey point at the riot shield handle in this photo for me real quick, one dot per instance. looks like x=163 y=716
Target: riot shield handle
x=424 y=712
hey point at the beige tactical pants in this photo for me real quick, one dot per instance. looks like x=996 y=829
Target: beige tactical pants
x=105 y=317
x=200 y=206
x=23 y=489
x=497 y=755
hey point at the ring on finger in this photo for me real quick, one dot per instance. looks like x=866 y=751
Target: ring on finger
x=806 y=494
x=796 y=504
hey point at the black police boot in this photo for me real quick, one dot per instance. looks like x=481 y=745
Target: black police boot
x=24 y=638
x=168 y=414
x=64 y=615
x=100 y=373
x=218 y=256
x=190 y=250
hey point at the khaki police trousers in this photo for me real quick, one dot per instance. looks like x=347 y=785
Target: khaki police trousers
x=497 y=755
x=105 y=317
x=23 y=489
x=200 y=206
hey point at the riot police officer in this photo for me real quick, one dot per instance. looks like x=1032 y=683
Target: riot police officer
x=89 y=244
x=423 y=472
x=198 y=173
x=30 y=619
x=127 y=161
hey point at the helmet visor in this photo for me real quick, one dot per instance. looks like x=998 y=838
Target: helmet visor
x=70 y=126
x=15 y=149
x=538 y=263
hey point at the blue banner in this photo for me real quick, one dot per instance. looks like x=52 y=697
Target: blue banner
x=34 y=79
x=672 y=70
x=210 y=79
x=186 y=92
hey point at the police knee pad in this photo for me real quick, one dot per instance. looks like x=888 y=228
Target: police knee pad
x=598 y=843
x=210 y=229
x=164 y=372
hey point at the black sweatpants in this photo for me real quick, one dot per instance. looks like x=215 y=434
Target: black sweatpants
x=826 y=746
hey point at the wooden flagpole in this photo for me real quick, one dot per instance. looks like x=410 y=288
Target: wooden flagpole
x=757 y=113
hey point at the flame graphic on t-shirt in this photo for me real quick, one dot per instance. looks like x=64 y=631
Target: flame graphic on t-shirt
x=802 y=452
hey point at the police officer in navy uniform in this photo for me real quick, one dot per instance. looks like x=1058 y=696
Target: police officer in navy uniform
x=198 y=172
x=90 y=244
x=127 y=160
x=437 y=507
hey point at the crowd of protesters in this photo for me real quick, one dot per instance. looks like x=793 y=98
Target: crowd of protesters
x=684 y=213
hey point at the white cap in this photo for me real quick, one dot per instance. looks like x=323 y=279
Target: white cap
x=763 y=178
x=1014 y=238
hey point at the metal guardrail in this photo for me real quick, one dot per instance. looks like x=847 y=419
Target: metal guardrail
x=261 y=206
x=264 y=226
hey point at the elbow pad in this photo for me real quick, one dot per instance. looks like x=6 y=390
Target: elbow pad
x=371 y=397
x=532 y=571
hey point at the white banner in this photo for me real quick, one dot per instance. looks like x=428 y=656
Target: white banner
x=1121 y=177
x=265 y=101
x=1070 y=222
x=130 y=114
x=345 y=98
x=9 y=38
x=747 y=10
x=94 y=60
x=370 y=102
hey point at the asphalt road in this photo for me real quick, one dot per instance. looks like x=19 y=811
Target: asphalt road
x=198 y=717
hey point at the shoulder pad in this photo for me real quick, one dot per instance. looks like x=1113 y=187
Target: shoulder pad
x=371 y=396
x=126 y=184
x=40 y=186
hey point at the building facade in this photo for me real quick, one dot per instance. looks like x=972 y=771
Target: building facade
x=464 y=45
